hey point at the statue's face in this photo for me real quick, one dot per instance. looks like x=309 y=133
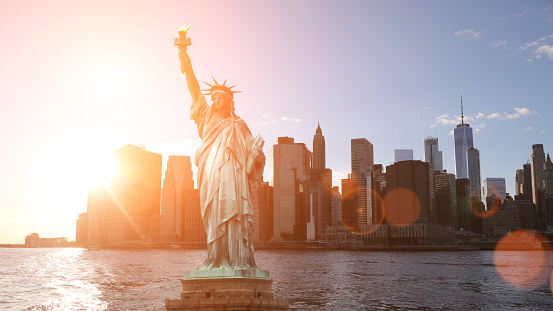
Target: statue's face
x=221 y=101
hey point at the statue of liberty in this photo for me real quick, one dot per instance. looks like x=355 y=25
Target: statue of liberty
x=228 y=159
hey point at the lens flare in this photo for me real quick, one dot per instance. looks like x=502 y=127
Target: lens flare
x=520 y=259
x=402 y=207
x=493 y=204
x=359 y=220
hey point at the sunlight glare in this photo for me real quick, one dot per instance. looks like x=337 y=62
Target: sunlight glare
x=76 y=160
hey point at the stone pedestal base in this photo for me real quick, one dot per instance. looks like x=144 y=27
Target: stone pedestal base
x=226 y=289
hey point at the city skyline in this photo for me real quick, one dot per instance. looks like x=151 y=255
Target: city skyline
x=101 y=75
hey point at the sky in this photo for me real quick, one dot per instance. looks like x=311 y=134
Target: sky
x=80 y=78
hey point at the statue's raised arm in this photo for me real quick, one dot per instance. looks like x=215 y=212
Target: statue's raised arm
x=182 y=42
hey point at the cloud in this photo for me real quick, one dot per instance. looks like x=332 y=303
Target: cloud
x=426 y=108
x=543 y=131
x=471 y=33
x=497 y=44
x=494 y=115
x=478 y=127
x=515 y=115
x=451 y=133
x=541 y=47
x=291 y=119
x=518 y=15
x=268 y=118
x=444 y=119
x=433 y=125
x=529 y=128
x=544 y=49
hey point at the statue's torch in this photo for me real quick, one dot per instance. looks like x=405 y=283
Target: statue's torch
x=182 y=42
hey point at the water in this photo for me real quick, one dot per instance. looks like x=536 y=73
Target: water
x=80 y=279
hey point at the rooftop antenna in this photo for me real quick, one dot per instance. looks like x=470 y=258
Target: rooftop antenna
x=462 y=115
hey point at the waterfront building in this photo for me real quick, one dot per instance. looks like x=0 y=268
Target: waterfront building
x=357 y=201
x=34 y=240
x=464 y=211
x=336 y=204
x=463 y=139
x=446 y=199
x=291 y=164
x=127 y=210
x=505 y=219
x=538 y=166
x=81 y=235
x=416 y=200
x=192 y=229
x=178 y=181
x=262 y=203
x=403 y=155
x=432 y=154
x=362 y=158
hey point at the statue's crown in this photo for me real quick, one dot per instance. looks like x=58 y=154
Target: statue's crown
x=220 y=87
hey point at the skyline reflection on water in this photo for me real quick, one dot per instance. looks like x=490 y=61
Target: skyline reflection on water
x=72 y=278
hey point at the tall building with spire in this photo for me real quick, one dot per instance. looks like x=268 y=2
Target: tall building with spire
x=319 y=162
x=321 y=185
x=462 y=135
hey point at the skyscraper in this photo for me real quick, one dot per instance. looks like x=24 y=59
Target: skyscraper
x=538 y=166
x=473 y=161
x=463 y=140
x=178 y=181
x=548 y=176
x=192 y=229
x=362 y=159
x=291 y=163
x=495 y=186
x=519 y=181
x=128 y=210
x=262 y=204
x=321 y=185
x=403 y=155
x=527 y=184
x=432 y=153
x=319 y=162
x=357 y=202
x=410 y=186
x=446 y=199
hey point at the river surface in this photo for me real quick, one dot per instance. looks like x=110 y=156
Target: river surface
x=81 y=279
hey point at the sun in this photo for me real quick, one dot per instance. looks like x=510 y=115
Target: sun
x=74 y=162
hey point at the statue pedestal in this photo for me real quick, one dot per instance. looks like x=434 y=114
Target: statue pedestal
x=226 y=289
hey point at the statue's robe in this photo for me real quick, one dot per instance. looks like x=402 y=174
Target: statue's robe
x=223 y=182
